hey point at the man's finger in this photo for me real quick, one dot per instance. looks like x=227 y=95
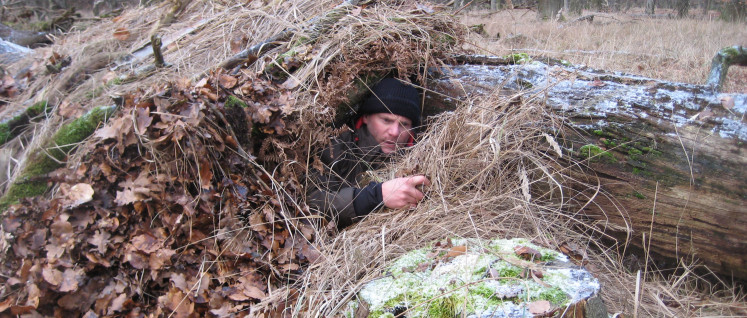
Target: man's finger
x=418 y=180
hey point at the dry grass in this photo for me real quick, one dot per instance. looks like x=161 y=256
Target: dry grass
x=677 y=50
x=482 y=159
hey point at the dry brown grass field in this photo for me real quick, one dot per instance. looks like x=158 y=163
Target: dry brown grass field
x=677 y=50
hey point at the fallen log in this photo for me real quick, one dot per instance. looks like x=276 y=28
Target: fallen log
x=11 y=52
x=29 y=39
x=671 y=156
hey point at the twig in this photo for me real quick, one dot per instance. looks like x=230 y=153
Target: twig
x=155 y=43
x=462 y=8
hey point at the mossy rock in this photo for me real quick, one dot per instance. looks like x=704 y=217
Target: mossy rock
x=479 y=278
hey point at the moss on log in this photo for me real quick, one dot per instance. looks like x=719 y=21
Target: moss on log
x=51 y=156
x=9 y=129
x=726 y=57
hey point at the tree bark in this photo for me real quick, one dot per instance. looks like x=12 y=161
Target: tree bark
x=650 y=7
x=547 y=9
x=683 y=8
x=670 y=157
x=11 y=52
x=24 y=38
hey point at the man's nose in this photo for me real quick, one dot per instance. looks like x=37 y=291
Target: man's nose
x=395 y=130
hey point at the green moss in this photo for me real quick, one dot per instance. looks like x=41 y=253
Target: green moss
x=638 y=195
x=518 y=58
x=18 y=191
x=609 y=143
x=482 y=290
x=115 y=81
x=11 y=128
x=233 y=101
x=40 y=26
x=483 y=297
x=479 y=29
x=37 y=109
x=729 y=53
x=509 y=271
x=396 y=301
x=566 y=63
x=634 y=153
x=554 y=295
x=43 y=162
x=480 y=271
x=444 y=307
x=379 y=314
x=442 y=37
x=548 y=256
x=594 y=153
x=598 y=132
x=4 y=133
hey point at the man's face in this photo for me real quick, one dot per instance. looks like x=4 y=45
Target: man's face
x=389 y=130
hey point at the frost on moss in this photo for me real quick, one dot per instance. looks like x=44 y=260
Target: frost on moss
x=427 y=283
x=51 y=156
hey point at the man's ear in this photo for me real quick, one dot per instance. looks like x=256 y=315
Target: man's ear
x=364 y=118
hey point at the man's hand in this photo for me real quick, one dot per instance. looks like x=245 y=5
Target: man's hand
x=403 y=192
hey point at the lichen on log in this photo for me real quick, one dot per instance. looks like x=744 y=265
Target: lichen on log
x=51 y=156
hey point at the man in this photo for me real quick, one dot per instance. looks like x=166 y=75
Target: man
x=384 y=126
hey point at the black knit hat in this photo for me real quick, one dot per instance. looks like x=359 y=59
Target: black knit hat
x=394 y=97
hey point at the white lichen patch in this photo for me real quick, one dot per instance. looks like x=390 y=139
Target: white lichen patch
x=482 y=280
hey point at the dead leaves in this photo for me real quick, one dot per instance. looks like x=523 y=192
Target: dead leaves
x=540 y=308
x=121 y=34
x=73 y=196
x=527 y=253
x=154 y=210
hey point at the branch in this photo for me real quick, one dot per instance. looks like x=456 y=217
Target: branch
x=728 y=56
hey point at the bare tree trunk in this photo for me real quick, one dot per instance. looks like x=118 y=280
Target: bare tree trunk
x=650 y=6
x=683 y=6
x=669 y=157
x=707 y=7
x=547 y=9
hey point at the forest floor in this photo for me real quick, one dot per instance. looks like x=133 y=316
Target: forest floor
x=678 y=50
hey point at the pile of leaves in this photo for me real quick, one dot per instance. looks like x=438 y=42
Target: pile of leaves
x=189 y=202
x=180 y=220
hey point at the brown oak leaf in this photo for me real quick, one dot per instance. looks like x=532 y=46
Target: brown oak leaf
x=456 y=251
x=70 y=280
x=527 y=253
x=52 y=275
x=100 y=240
x=540 y=307
x=146 y=243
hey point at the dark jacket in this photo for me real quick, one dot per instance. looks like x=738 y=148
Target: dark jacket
x=336 y=192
